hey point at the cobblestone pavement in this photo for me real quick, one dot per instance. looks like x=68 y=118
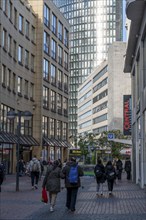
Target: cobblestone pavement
x=127 y=203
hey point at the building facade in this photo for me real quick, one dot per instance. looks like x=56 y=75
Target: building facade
x=34 y=75
x=101 y=96
x=94 y=26
x=135 y=63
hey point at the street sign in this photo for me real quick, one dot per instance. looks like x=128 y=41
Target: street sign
x=111 y=136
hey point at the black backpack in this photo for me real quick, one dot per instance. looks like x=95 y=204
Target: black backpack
x=98 y=171
x=110 y=175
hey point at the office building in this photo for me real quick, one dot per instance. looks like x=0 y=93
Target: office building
x=103 y=95
x=94 y=26
x=34 y=77
x=135 y=63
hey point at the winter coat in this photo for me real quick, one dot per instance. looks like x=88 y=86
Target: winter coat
x=109 y=169
x=34 y=159
x=128 y=166
x=65 y=174
x=119 y=165
x=103 y=177
x=52 y=179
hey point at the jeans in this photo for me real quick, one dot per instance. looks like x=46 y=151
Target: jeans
x=110 y=184
x=100 y=187
x=34 y=178
x=52 y=198
x=71 y=198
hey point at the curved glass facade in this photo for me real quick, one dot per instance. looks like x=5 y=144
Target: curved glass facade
x=95 y=24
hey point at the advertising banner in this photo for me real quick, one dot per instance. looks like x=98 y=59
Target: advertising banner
x=127 y=114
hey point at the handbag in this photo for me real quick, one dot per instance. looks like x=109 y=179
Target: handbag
x=44 y=196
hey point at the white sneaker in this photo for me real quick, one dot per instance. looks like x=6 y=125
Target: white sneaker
x=51 y=209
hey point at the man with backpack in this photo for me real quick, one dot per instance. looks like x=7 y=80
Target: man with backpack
x=72 y=172
x=110 y=175
x=35 y=170
x=99 y=171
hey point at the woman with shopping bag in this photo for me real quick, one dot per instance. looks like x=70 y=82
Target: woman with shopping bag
x=52 y=183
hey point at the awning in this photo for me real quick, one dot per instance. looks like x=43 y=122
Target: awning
x=55 y=142
x=10 y=138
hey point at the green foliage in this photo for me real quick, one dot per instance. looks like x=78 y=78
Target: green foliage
x=90 y=142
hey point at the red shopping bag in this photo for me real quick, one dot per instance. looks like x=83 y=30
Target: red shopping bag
x=44 y=196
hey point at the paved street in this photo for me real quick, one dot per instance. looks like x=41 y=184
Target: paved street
x=128 y=202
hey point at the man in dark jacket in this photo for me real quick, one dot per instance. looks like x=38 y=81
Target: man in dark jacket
x=119 y=168
x=128 y=168
x=99 y=171
x=72 y=188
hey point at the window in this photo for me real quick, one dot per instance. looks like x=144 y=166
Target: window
x=65 y=60
x=4 y=75
x=8 y=78
x=33 y=34
x=32 y=62
x=14 y=82
x=31 y=91
x=26 y=89
x=66 y=37
x=53 y=49
x=53 y=74
x=100 y=119
x=21 y=23
x=45 y=126
x=65 y=106
x=20 y=54
x=65 y=83
x=46 y=42
x=59 y=103
x=53 y=101
x=45 y=97
x=46 y=69
x=46 y=16
x=15 y=17
x=27 y=29
x=60 y=31
x=64 y=132
x=10 y=10
x=19 y=85
x=4 y=39
x=26 y=58
x=59 y=128
x=9 y=44
x=59 y=79
x=60 y=55
x=14 y=50
x=52 y=128
x=4 y=6
x=54 y=23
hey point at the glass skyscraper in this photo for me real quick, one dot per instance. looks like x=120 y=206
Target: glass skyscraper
x=95 y=24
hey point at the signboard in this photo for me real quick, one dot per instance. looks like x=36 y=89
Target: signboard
x=111 y=136
x=127 y=114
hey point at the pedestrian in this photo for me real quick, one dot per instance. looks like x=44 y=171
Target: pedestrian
x=110 y=175
x=99 y=171
x=35 y=170
x=119 y=168
x=2 y=174
x=52 y=182
x=128 y=168
x=21 y=167
x=42 y=167
x=72 y=172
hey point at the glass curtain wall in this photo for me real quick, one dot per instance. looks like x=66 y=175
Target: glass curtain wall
x=95 y=24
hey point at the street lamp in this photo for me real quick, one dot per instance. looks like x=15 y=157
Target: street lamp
x=11 y=116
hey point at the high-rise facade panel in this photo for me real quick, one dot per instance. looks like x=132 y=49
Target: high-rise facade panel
x=95 y=24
